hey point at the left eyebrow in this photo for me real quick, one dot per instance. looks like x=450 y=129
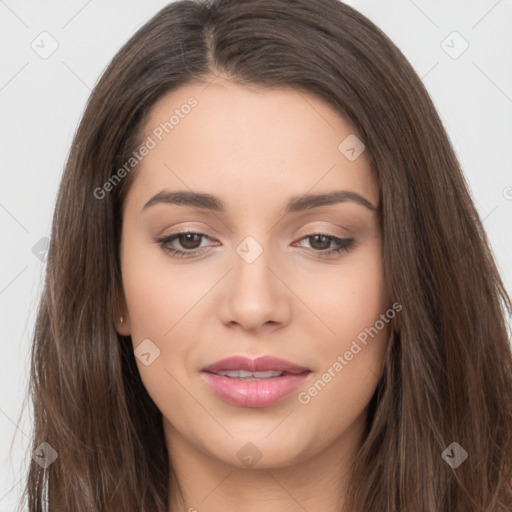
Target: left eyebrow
x=295 y=204
x=305 y=202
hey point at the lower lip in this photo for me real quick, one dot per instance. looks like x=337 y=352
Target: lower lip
x=254 y=393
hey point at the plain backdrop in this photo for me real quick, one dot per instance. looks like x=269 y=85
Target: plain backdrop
x=461 y=49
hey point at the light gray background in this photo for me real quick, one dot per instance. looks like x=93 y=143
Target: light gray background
x=41 y=101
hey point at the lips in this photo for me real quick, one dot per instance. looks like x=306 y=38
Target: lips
x=260 y=364
x=264 y=381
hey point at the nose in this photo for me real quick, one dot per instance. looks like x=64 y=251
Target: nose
x=254 y=294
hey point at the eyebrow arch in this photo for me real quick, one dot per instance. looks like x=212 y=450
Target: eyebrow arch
x=295 y=204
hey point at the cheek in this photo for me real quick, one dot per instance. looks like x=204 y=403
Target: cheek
x=162 y=301
x=351 y=296
x=353 y=357
x=155 y=294
x=157 y=303
x=351 y=303
x=147 y=300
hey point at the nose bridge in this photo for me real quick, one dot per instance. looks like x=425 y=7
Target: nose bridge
x=255 y=295
x=251 y=248
x=252 y=262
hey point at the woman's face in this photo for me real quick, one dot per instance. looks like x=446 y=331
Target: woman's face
x=260 y=275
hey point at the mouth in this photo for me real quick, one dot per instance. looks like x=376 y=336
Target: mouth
x=256 y=366
x=260 y=382
x=243 y=375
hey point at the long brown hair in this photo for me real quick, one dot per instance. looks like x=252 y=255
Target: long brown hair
x=448 y=371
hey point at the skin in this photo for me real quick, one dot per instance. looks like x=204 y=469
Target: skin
x=254 y=149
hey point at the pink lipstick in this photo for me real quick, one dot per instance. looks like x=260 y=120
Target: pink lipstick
x=259 y=382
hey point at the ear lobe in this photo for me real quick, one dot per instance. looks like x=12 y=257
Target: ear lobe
x=121 y=317
x=122 y=325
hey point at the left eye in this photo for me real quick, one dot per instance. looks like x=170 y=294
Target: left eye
x=189 y=242
x=325 y=241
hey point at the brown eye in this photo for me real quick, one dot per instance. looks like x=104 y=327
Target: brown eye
x=320 y=242
x=183 y=244
x=189 y=240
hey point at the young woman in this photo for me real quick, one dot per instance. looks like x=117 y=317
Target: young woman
x=267 y=286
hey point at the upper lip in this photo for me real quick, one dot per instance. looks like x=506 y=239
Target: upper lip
x=259 y=364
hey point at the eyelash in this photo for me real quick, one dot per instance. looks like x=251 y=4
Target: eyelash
x=346 y=244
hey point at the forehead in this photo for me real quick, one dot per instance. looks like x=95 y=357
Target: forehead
x=246 y=145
